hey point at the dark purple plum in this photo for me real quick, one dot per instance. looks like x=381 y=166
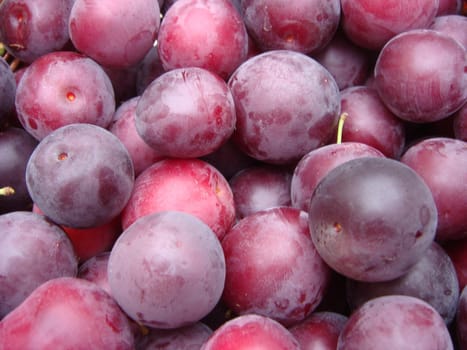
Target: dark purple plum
x=115 y=33
x=395 y=322
x=287 y=104
x=306 y=27
x=186 y=113
x=260 y=187
x=315 y=165
x=62 y=88
x=32 y=28
x=32 y=251
x=273 y=268
x=167 y=270
x=16 y=146
x=80 y=175
x=371 y=219
x=433 y=279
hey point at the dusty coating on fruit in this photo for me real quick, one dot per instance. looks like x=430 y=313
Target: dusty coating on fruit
x=186 y=113
x=279 y=125
x=251 y=330
x=306 y=27
x=436 y=160
x=273 y=268
x=395 y=322
x=68 y=311
x=96 y=29
x=167 y=270
x=87 y=187
x=207 y=34
x=188 y=185
x=432 y=279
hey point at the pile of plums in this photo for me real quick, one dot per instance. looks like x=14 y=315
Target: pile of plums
x=233 y=174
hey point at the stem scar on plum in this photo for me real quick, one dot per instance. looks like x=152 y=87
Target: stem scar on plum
x=62 y=156
x=70 y=96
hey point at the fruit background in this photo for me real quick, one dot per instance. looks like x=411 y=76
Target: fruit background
x=233 y=174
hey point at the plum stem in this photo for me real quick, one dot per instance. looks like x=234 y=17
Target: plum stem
x=340 y=127
x=7 y=191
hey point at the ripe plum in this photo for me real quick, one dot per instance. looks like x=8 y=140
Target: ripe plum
x=315 y=165
x=395 y=322
x=167 y=270
x=115 y=33
x=372 y=218
x=32 y=28
x=287 y=104
x=188 y=185
x=32 y=251
x=432 y=279
x=273 y=268
x=421 y=75
x=452 y=25
x=123 y=126
x=67 y=313
x=306 y=27
x=62 y=88
x=80 y=175
x=207 y=34
x=251 y=332
x=442 y=163
x=369 y=121
x=349 y=64
x=186 y=113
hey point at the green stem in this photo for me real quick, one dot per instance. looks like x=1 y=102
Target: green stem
x=340 y=127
